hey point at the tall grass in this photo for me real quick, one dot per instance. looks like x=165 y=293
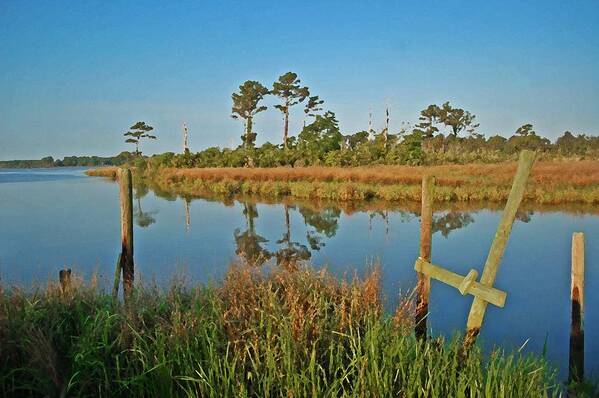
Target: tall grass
x=108 y=172
x=551 y=182
x=283 y=333
x=578 y=173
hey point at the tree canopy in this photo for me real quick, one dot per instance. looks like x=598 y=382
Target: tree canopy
x=137 y=132
x=287 y=88
x=246 y=105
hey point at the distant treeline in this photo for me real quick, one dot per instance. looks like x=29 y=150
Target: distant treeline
x=68 y=161
x=321 y=143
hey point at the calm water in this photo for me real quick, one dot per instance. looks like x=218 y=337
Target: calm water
x=50 y=219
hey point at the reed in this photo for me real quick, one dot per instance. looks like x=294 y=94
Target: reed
x=575 y=173
x=278 y=333
x=550 y=182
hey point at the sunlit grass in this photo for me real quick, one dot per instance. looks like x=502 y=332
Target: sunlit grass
x=550 y=182
x=109 y=172
x=283 y=333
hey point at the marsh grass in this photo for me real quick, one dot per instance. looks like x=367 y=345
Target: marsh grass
x=108 y=172
x=551 y=182
x=282 y=333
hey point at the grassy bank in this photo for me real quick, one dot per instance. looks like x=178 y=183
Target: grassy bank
x=551 y=182
x=108 y=172
x=300 y=333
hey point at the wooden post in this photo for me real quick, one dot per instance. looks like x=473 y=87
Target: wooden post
x=576 y=363
x=423 y=287
x=64 y=276
x=126 y=257
x=479 y=306
x=117 y=277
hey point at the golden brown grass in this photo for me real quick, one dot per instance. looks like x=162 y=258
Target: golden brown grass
x=312 y=302
x=574 y=173
x=551 y=182
x=109 y=172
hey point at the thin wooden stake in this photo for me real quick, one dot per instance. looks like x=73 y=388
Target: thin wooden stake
x=576 y=363
x=479 y=306
x=126 y=257
x=423 y=287
x=64 y=276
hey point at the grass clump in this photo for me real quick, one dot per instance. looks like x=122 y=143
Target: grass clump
x=283 y=333
x=108 y=172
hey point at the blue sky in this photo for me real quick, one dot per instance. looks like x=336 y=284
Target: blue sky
x=74 y=75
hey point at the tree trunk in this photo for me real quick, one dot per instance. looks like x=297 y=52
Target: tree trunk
x=286 y=127
x=248 y=131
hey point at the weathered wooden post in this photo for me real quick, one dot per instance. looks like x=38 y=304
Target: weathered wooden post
x=125 y=260
x=64 y=276
x=426 y=234
x=576 y=363
x=483 y=291
x=479 y=305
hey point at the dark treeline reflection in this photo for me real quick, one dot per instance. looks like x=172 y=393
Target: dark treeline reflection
x=321 y=224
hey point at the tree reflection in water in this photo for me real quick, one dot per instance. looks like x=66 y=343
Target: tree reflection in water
x=292 y=253
x=249 y=243
x=325 y=224
x=141 y=218
x=451 y=221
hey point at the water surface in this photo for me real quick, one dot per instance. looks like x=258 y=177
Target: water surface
x=56 y=218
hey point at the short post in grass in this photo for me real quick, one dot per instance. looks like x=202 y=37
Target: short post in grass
x=125 y=262
x=64 y=276
x=423 y=286
x=576 y=363
x=483 y=291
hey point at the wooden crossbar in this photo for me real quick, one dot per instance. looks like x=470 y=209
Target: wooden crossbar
x=465 y=284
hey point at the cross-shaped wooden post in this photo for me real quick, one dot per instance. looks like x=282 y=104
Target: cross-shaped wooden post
x=483 y=291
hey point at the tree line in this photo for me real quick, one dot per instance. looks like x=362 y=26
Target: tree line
x=443 y=134
x=69 y=161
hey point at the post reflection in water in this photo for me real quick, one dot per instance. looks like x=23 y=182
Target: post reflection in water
x=186 y=201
